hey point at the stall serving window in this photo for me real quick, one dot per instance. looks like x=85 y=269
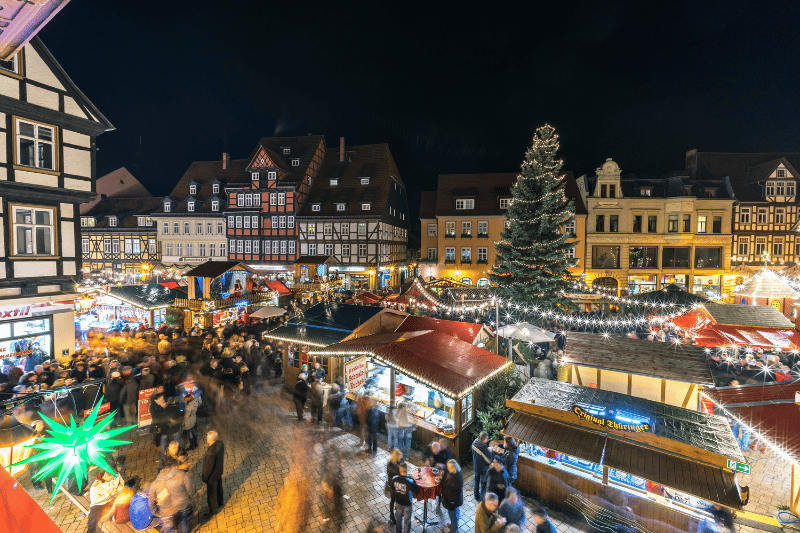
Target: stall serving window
x=25 y=343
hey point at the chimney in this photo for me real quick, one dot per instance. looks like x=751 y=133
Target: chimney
x=341 y=149
x=226 y=160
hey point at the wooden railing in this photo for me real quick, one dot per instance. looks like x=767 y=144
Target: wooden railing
x=222 y=303
x=316 y=286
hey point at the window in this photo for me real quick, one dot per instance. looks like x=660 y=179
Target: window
x=169 y=248
x=292 y=245
x=466 y=229
x=333 y=182
x=672 y=224
x=152 y=246
x=34 y=230
x=239 y=199
x=613 y=223
x=744 y=245
x=707 y=257
x=780 y=189
x=569 y=228
x=189 y=249
x=212 y=248
x=312 y=230
x=281 y=198
x=176 y=228
x=167 y=207
x=240 y=246
x=186 y=228
x=295 y=162
x=449 y=229
x=85 y=246
x=362 y=229
x=431 y=254
x=248 y=247
x=248 y=200
x=272 y=175
x=364 y=181
x=106 y=246
x=220 y=228
x=179 y=249
x=254 y=221
x=744 y=215
x=214 y=205
x=238 y=222
x=345 y=250
x=504 y=203
x=340 y=207
x=201 y=249
x=483 y=228
x=780 y=215
x=789 y=188
x=256 y=246
x=646 y=192
x=366 y=207
x=781 y=173
x=465 y=203
x=312 y=249
x=215 y=188
x=701 y=224
x=777 y=247
x=222 y=252
x=466 y=255
x=687 y=224
x=112 y=221
x=209 y=228
x=652 y=223
x=450 y=254
x=329 y=249
x=199 y=228
x=675 y=257
x=141 y=221
x=432 y=230
x=165 y=228
x=344 y=229
x=275 y=247
x=569 y=253
x=327 y=229
x=761 y=245
x=274 y=221
x=10 y=65
x=287 y=151
x=246 y=222
x=254 y=176
x=643 y=257
x=87 y=222
x=281 y=222
x=637 y=223
x=483 y=254
x=115 y=246
x=35 y=145
x=599 y=223
x=605 y=256
x=716 y=226
x=711 y=193
x=761 y=216
x=283 y=247
x=316 y=207
x=604 y=191
x=290 y=222
x=231 y=222
x=190 y=206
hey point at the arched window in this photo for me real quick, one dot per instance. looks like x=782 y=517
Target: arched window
x=466 y=280
x=483 y=282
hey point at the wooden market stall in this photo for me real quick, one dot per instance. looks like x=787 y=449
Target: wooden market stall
x=658 y=465
x=435 y=374
x=129 y=304
x=768 y=288
x=662 y=372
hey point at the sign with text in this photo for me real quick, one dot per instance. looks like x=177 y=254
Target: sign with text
x=608 y=420
x=15 y=312
x=738 y=467
x=144 y=407
x=355 y=372
x=104 y=409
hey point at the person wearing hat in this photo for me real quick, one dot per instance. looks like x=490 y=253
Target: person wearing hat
x=171 y=496
x=146 y=380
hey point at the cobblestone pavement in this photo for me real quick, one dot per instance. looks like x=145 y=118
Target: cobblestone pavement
x=268 y=451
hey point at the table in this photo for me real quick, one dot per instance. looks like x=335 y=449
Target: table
x=430 y=488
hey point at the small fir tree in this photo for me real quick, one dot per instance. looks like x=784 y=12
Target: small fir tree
x=532 y=251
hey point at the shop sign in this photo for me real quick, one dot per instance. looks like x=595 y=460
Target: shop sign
x=355 y=372
x=145 y=419
x=610 y=420
x=104 y=408
x=738 y=467
x=15 y=312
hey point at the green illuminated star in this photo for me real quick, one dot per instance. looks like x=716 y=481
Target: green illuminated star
x=71 y=449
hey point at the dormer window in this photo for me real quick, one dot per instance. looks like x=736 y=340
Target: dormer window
x=87 y=222
x=192 y=189
x=340 y=207
x=711 y=193
x=646 y=192
x=287 y=151
x=465 y=203
x=112 y=221
x=295 y=162
x=215 y=188
x=364 y=181
x=315 y=207
x=190 y=206
x=272 y=175
x=142 y=221
x=166 y=207
x=334 y=182
x=366 y=207
x=254 y=176
x=780 y=173
x=504 y=203
x=215 y=205
x=687 y=190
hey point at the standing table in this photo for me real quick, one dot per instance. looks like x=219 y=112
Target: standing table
x=430 y=488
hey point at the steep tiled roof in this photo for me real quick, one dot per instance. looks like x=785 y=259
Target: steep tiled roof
x=299 y=147
x=373 y=161
x=487 y=202
x=125 y=209
x=427 y=208
x=203 y=173
x=744 y=170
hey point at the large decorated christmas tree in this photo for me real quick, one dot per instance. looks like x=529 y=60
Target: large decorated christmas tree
x=532 y=262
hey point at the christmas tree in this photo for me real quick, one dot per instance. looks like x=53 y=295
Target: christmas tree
x=532 y=263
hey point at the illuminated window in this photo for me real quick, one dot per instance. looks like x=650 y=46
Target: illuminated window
x=112 y=221
x=465 y=203
x=36 y=145
x=780 y=216
x=192 y=189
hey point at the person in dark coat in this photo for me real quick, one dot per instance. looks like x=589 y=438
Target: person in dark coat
x=300 y=395
x=113 y=391
x=392 y=470
x=129 y=399
x=373 y=427
x=481 y=459
x=510 y=451
x=512 y=509
x=213 y=463
x=453 y=492
x=497 y=479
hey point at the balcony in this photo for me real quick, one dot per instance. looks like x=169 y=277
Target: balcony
x=466 y=235
x=451 y=261
x=449 y=235
x=222 y=303
x=483 y=235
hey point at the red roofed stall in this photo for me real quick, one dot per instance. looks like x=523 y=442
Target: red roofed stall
x=466 y=331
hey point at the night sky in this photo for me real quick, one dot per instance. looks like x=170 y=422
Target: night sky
x=452 y=90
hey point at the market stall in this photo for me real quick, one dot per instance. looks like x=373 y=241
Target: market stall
x=661 y=465
x=434 y=374
x=768 y=288
x=127 y=305
x=470 y=332
x=663 y=372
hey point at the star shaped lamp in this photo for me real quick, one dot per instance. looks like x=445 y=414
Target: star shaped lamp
x=72 y=449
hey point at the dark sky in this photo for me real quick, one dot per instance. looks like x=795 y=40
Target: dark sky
x=451 y=89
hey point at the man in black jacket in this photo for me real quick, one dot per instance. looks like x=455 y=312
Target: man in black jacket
x=300 y=395
x=481 y=459
x=497 y=479
x=403 y=489
x=213 y=462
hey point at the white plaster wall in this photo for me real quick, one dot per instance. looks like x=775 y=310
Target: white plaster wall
x=66 y=210
x=79 y=185
x=78 y=139
x=3 y=173
x=9 y=87
x=3 y=152
x=37 y=70
x=67 y=239
x=78 y=162
x=43 y=289
x=36 y=178
x=2 y=270
x=63 y=334
x=34 y=269
x=70 y=268
x=73 y=108
x=42 y=97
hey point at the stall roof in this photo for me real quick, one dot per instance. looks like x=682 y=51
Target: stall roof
x=366 y=297
x=676 y=362
x=562 y=438
x=366 y=344
x=766 y=284
x=280 y=287
x=464 y=331
x=769 y=408
x=684 y=426
x=305 y=334
x=766 y=338
x=671 y=294
x=268 y=311
x=170 y=284
x=214 y=269
x=146 y=296
x=764 y=316
x=526 y=332
x=315 y=260
x=342 y=316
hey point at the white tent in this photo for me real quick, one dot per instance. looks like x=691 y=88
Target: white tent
x=269 y=311
x=527 y=333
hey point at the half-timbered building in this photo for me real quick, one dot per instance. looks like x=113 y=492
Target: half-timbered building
x=119 y=239
x=357 y=212
x=190 y=222
x=261 y=211
x=47 y=168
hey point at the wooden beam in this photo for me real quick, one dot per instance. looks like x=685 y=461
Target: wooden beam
x=688 y=395
x=598 y=378
x=605 y=475
x=630 y=384
x=663 y=391
x=577 y=374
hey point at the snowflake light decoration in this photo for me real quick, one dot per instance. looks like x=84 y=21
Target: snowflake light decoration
x=71 y=449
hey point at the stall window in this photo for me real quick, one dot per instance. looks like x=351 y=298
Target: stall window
x=466 y=410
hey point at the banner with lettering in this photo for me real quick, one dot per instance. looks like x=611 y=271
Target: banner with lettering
x=144 y=407
x=355 y=373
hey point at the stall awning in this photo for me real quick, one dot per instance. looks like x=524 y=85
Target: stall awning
x=706 y=482
x=280 y=287
x=465 y=331
x=305 y=334
x=145 y=296
x=559 y=437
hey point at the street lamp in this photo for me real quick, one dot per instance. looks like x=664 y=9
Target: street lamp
x=15 y=437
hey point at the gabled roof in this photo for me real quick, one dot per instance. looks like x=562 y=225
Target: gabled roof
x=766 y=284
x=214 y=269
x=125 y=209
x=146 y=296
x=300 y=147
x=344 y=317
x=373 y=161
x=427 y=208
x=487 y=199
x=764 y=316
x=463 y=331
x=120 y=183
x=203 y=173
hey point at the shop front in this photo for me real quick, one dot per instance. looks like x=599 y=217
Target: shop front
x=657 y=466
x=32 y=334
x=708 y=286
x=681 y=280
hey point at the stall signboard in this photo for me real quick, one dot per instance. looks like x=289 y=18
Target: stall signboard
x=104 y=409
x=144 y=407
x=15 y=312
x=738 y=467
x=355 y=372
x=611 y=420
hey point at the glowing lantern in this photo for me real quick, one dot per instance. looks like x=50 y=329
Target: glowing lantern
x=15 y=437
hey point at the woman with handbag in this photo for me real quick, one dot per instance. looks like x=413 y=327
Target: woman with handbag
x=453 y=493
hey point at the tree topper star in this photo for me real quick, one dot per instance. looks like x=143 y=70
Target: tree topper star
x=72 y=449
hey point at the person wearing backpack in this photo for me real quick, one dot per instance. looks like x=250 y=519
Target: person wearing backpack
x=171 y=497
